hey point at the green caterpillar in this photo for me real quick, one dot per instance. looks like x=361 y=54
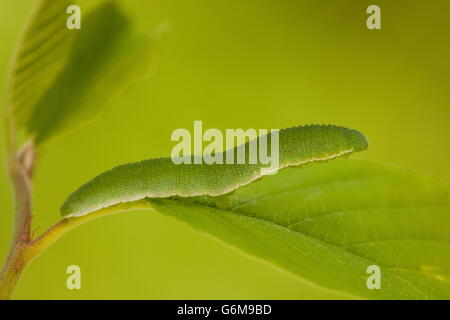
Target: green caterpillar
x=162 y=178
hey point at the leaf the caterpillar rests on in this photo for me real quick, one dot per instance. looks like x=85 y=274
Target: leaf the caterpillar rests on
x=161 y=178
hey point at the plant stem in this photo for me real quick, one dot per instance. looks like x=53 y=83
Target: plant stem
x=23 y=253
x=12 y=271
x=53 y=234
x=20 y=168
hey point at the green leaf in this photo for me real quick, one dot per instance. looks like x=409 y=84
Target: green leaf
x=161 y=178
x=79 y=71
x=326 y=223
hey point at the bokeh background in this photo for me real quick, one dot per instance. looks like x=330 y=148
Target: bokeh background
x=232 y=64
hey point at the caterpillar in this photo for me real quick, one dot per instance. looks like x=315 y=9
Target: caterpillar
x=162 y=178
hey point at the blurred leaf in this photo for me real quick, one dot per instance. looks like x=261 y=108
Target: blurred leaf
x=163 y=178
x=103 y=58
x=42 y=53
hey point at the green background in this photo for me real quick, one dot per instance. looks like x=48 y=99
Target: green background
x=235 y=64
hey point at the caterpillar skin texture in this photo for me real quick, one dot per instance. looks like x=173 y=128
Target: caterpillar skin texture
x=161 y=178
